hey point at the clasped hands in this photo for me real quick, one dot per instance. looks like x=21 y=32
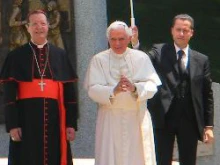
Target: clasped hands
x=124 y=85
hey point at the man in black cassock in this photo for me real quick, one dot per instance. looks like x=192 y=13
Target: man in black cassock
x=40 y=98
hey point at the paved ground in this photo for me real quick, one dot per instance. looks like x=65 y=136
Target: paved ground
x=3 y=161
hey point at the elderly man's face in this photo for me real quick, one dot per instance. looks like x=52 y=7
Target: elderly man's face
x=119 y=40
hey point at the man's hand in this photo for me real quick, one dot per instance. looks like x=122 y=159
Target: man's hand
x=70 y=133
x=208 y=135
x=134 y=37
x=16 y=134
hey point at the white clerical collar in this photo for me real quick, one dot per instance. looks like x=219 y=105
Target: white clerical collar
x=39 y=46
x=119 y=55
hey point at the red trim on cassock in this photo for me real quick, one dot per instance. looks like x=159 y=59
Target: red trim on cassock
x=73 y=102
x=14 y=79
x=45 y=132
x=52 y=89
x=9 y=103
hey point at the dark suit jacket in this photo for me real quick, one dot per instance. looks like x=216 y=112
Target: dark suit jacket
x=164 y=59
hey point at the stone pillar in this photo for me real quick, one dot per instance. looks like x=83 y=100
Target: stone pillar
x=90 y=26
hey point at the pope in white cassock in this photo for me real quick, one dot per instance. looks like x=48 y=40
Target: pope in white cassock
x=121 y=80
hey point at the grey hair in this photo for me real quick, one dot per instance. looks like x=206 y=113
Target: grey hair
x=117 y=25
x=184 y=17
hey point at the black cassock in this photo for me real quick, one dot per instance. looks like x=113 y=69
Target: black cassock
x=38 y=117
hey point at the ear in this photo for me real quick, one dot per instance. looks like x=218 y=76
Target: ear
x=129 y=39
x=171 y=30
x=130 y=31
x=192 y=33
x=26 y=25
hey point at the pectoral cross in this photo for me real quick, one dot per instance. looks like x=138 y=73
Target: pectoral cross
x=41 y=84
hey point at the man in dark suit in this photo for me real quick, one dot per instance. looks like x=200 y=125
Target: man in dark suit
x=183 y=106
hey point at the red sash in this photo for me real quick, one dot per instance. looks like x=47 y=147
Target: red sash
x=33 y=90
x=53 y=90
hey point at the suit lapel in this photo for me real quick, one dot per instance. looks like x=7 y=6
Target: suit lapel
x=172 y=59
x=192 y=64
x=170 y=66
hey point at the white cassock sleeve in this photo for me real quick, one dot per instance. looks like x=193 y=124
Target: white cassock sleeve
x=146 y=79
x=96 y=84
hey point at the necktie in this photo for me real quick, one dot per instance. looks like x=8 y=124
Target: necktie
x=180 y=61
